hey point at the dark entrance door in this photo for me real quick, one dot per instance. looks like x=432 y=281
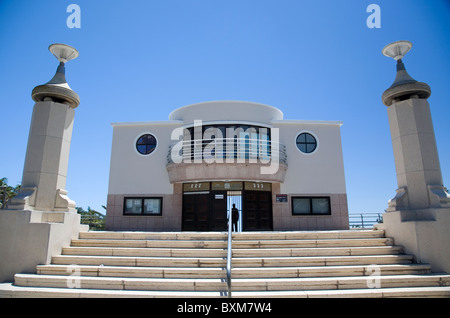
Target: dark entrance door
x=196 y=212
x=205 y=205
x=257 y=211
x=218 y=214
x=205 y=211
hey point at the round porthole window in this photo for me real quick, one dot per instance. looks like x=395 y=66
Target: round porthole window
x=146 y=144
x=306 y=143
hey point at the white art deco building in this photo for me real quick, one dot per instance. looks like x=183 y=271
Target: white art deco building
x=186 y=173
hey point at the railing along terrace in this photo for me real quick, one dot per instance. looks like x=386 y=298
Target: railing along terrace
x=364 y=220
x=226 y=150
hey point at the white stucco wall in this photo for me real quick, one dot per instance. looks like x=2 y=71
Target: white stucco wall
x=133 y=173
x=319 y=172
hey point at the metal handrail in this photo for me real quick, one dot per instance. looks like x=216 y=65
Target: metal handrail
x=247 y=150
x=364 y=220
x=229 y=253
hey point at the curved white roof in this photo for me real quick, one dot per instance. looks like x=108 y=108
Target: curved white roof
x=227 y=111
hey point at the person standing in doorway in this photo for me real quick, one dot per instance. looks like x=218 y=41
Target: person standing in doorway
x=235 y=217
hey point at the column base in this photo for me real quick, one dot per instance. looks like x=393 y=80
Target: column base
x=29 y=238
x=26 y=200
x=423 y=233
x=437 y=198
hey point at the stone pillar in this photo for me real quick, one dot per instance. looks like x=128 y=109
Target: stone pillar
x=416 y=157
x=41 y=219
x=418 y=217
x=47 y=157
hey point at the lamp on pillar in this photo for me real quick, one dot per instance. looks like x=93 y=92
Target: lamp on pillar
x=417 y=164
x=404 y=86
x=57 y=88
x=47 y=157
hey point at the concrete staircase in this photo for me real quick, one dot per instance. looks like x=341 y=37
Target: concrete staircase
x=265 y=264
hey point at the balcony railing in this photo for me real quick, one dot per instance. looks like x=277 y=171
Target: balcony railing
x=227 y=150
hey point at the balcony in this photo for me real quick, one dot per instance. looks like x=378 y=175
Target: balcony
x=227 y=159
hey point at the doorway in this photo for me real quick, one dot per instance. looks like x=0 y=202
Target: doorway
x=235 y=197
x=195 y=211
x=218 y=212
x=206 y=206
x=205 y=211
x=258 y=211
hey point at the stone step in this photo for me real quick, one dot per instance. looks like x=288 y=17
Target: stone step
x=211 y=284
x=172 y=236
x=125 y=271
x=138 y=251
x=318 y=251
x=212 y=244
x=256 y=272
x=238 y=262
x=330 y=283
x=404 y=292
x=331 y=271
x=222 y=244
x=272 y=252
x=309 y=235
x=298 y=235
x=9 y=290
x=345 y=242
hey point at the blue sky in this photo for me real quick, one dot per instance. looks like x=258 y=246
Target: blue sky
x=139 y=60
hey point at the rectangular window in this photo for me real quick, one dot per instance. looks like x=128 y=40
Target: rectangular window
x=301 y=206
x=133 y=206
x=152 y=206
x=311 y=206
x=142 y=206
